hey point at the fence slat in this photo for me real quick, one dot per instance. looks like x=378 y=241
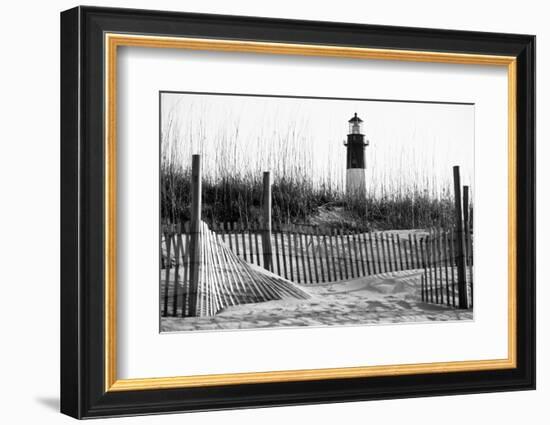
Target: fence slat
x=256 y=228
x=399 y=250
x=215 y=284
x=310 y=255
x=315 y=267
x=349 y=254
x=423 y=258
x=380 y=252
x=423 y=262
x=303 y=255
x=334 y=240
x=328 y=258
x=178 y=243
x=408 y=253
x=434 y=264
x=365 y=249
x=451 y=244
x=296 y=256
x=243 y=233
x=422 y=289
x=168 y=266
x=277 y=252
x=290 y=252
x=356 y=253
x=385 y=256
x=446 y=260
x=342 y=258
x=394 y=246
x=433 y=267
x=282 y=237
x=378 y=257
x=186 y=270
x=391 y=252
x=467 y=241
x=219 y=229
x=388 y=251
x=439 y=262
x=433 y=247
x=419 y=263
x=300 y=248
x=320 y=252
x=250 y=247
x=234 y=233
x=429 y=259
x=226 y=234
x=371 y=246
x=361 y=249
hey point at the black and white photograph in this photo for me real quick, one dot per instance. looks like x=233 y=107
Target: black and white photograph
x=309 y=213
x=281 y=211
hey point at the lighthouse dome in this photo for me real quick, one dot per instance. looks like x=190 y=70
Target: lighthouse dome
x=355 y=125
x=355 y=118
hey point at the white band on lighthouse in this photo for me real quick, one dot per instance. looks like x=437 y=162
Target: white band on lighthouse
x=356 y=182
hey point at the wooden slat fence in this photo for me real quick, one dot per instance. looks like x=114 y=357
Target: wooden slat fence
x=300 y=254
x=224 y=278
x=440 y=279
x=310 y=255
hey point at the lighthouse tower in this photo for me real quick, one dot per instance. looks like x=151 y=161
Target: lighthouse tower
x=356 y=178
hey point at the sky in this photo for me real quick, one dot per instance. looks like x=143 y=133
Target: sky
x=409 y=143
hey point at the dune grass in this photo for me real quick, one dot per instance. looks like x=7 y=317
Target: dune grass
x=232 y=187
x=238 y=199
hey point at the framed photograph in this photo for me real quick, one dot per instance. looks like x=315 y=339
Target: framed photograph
x=261 y=212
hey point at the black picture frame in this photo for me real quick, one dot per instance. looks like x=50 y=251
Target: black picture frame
x=83 y=392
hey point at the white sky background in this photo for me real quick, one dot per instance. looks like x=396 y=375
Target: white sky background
x=410 y=143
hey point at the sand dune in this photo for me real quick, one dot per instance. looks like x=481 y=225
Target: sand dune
x=384 y=298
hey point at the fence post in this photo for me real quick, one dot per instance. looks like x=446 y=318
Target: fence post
x=185 y=271
x=266 y=231
x=460 y=258
x=178 y=248
x=195 y=231
x=168 y=266
x=468 y=241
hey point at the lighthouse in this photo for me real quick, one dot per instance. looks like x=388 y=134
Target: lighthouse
x=356 y=178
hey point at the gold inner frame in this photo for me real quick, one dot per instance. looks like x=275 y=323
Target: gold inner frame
x=113 y=41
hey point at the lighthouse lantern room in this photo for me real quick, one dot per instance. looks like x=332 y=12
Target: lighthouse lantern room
x=356 y=184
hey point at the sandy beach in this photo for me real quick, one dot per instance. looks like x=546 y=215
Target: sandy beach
x=383 y=298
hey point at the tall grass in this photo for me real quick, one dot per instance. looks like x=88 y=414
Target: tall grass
x=238 y=198
x=232 y=189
